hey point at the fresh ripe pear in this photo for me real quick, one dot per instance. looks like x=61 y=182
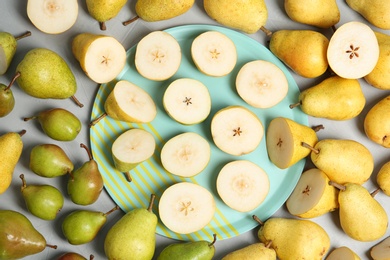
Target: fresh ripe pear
x=43 y=201
x=334 y=98
x=295 y=238
x=82 y=226
x=343 y=160
x=247 y=16
x=58 y=123
x=104 y=10
x=20 y=238
x=86 y=183
x=379 y=76
x=344 y=253
x=376 y=12
x=7 y=100
x=74 y=256
x=377 y=123
x=11 y=147
x=49 y=160
x=304 y=51
x=381 y=251
x=383 y=178
x=189 y=250
x=284 y=141
x=8 y=45
x=45 y=74
x=319 y=13
x=256 y=251
x=133 y=236
x=361 y=216
x=313 y=196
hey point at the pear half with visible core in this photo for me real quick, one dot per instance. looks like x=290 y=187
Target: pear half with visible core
x=236 y=130
x=344 y=253
x=54 y=16
x=101 y=57
x=186 y=207
x=187 y=101
x=284 y=141
x=377 y=123
x=242 y=185
x=312 y=196
x=214 y=53
x=186 y=154
x=132 y=148
x=381 y=251
x=353 y=50
x=158 y=56
x=261 y=84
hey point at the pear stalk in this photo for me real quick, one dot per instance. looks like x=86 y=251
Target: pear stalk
x=24 y=35
x=17 y=75
x=311 y=148
x=94 y=122
x=125 y=23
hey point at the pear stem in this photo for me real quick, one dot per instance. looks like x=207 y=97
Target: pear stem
x=125 y=23
x=102 y=26
x=291 y=106
x=21 y=133
x=111 y=210
x=17 y=75
x=52 y=246
x=88 y=151
x=29 y=118
x=310 y=147
x=24 y=35
x=268 y=244
x=94 y=122
x=76 y=101
x=91 y=257
x=128 y=176
x=375 y=192
x=337 y=185
x=256 y=218
x=24 y=184
x=150 y=207
x=318 y=128
x=266 y=31
x=214 y=240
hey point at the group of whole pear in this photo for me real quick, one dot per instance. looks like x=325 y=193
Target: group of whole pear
x=355 y=52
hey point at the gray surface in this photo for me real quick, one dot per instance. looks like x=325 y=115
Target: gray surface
x=14 y=20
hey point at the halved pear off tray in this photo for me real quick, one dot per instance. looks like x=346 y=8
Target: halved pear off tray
x=150 y=177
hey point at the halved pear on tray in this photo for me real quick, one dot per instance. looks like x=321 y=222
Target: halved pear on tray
x=313 y=196
x=101 y=57
x=186 y=207
x=157 y=56
x=236 y=130
x=242 y=185
x=261 y=84
x=187 y=101
x=284 y=140
x=214 y=53
x=185 y=154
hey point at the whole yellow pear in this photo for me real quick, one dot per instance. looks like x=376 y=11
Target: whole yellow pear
x=244 y=15
x=304 y=51
x=319 y=13
x=256 y=251
x=376 y=12
x=383 y=178
x=11 y=146
x=377 y=122
x=379 y=77
x=157 y=10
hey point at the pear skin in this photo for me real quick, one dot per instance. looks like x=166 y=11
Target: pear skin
x=11 y=147
x=322 y=14
x=8 y=46
x=361 y=216
x=304 y=51
x=334 y=98
x=104 y=10
x=377 y=123
x=383 y=178
x=256 y=251
x=376 y=12
x=154 y=10
x=247 y=16
x=379 y=76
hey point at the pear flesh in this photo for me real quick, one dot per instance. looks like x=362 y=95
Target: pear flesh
x=381 y=251
x=154 y=10
x=377 y=123
x=344 y=253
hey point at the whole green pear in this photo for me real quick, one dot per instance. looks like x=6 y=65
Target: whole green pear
x=49 y=160
x=45 y=74
x=7 y=99
x=58 y=123
x=334 y=98
x=133 y=236
x=256 y=251
x=19 y=237
x=43 y=201
x=295 y=238
x=361 y=216
x=376 y=12
x=8 y=45
x=304 y=51
x=343 y=160
x=193 y=250
x=82 y=226
x=104 y=10
x=248 y=16
x=157 y=10
x=73 y=256
x=86 y=183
